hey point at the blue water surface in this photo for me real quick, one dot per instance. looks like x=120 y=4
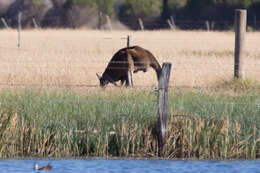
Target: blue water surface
x=130 y=166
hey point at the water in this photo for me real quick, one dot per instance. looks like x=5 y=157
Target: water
x=130 y=166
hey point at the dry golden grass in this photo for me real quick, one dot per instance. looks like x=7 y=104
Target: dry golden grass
x=73 y=57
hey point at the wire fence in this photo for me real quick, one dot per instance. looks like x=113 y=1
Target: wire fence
x=130 y=23
x=9 y=84
x=93 y=63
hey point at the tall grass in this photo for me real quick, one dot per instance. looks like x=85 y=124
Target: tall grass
x=121 y=123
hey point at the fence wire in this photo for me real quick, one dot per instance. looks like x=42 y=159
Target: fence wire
x=90 y=64
x=132 y=23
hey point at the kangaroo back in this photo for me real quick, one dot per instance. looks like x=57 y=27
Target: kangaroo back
x=118 y=65
x=143 y=59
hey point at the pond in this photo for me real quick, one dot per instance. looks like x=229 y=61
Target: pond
x=129 y=166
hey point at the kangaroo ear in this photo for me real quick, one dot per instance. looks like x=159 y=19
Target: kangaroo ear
x=98 y=76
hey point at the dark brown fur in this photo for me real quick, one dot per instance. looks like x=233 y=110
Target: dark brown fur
x=133 y=58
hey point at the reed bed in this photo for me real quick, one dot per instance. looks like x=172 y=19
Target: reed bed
x=122 y=124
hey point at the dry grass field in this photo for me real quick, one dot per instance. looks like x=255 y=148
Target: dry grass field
x=73 y=57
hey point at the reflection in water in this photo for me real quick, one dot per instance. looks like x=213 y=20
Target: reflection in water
x=128 y=166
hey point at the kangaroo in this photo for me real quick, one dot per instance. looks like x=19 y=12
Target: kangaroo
x=134 y=59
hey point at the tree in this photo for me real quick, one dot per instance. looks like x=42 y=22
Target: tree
x=171 y=7
x=165 y=10
x=106 y=7
x=143 y=8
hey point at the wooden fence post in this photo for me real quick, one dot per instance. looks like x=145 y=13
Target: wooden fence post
x=129 y=39
x=170 y=24
x=255 y=22
x=34 y=23
x=109 y=22
x=212 y=25
x=207 y=25
x=240 y=32
x=163 y=106
x=141 y=24
x=100 y=16
x=19 y=28
x=130 y=73
x=4 y=22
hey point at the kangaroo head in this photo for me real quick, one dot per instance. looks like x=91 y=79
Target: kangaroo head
x=103 y=81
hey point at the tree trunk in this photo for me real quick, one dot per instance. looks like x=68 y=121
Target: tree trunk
x=165 y=12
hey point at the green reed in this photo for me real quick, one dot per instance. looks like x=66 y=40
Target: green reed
x=122 y=123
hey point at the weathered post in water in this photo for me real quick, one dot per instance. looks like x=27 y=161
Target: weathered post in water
x=163 y=106
x=240 y=32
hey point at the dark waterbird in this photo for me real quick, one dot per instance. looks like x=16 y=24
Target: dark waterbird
x=44 y=168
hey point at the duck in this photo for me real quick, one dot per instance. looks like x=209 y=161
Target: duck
x=44 y=168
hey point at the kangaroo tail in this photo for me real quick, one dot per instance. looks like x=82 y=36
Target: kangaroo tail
x=156 y=66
